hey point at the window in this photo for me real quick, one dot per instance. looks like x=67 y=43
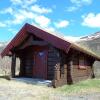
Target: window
x=82 y=63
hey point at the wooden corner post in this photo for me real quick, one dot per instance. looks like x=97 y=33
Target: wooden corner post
x=13 y=65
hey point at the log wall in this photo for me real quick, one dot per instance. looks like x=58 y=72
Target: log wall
x=78 y=74
x=27 y=62
x=53 y=59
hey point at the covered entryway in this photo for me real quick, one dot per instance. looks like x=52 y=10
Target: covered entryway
x=34 y=62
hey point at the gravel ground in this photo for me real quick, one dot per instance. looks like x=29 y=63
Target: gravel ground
x=21 y=90
x=90 y=96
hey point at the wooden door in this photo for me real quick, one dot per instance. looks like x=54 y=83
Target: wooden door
x=40 y=64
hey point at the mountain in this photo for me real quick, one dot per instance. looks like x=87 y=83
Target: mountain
x=5 y=62
x=92 y=42
x=2 y=46
x=91 y=37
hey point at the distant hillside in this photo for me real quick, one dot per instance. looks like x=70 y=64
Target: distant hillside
x=2 y=46
x=91 y=37
x=93 y=42
x=5 y=62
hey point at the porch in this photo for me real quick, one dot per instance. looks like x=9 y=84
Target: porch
x=33 y=62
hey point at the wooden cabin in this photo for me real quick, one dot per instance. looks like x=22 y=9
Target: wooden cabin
x=50 y=57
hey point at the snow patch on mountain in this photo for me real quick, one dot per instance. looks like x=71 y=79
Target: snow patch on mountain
x=91 y=37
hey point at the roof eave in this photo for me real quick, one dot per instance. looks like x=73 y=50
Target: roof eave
x=86 y=52
x=13 y=42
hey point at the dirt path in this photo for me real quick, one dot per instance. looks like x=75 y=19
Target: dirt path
x=91 y=96
x=15 y=90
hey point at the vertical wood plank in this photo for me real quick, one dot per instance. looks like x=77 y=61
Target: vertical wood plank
x=13 y=65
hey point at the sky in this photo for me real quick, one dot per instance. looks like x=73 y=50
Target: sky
x=70 y=18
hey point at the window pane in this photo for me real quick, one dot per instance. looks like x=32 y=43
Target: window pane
x=82 y=63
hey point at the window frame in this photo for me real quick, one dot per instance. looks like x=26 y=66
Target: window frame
x=81 y=64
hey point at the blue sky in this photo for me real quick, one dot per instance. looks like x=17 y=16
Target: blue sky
x=71 y=18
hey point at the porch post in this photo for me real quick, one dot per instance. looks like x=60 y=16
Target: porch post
x=69 y=72
x=92 y=70
x=13 y=65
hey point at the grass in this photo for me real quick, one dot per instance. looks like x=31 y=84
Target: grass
x=87 y=86
x=26 y=91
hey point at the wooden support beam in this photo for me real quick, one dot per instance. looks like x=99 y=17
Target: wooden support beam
x=31 y=42
x=13 y=65
x=69 y=72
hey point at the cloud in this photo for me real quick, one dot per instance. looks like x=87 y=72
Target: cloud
x=23 y=3
x=20 y=14
x=77 y=4
x=48 y=28
x=71 y=38
x=22 y=11
x=81 y=2
x=7 y=10
x=91 y=20
x=12 y=30
x=72 y=8
x=16 y=2
x=19 y=17
x=61 y=24
x=42 y=21
x=51 y=29
x=2 y=24
x=41 y=10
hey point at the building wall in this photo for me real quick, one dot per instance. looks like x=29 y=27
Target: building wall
x=81 y=67
x=55 y=56
x=53 y=59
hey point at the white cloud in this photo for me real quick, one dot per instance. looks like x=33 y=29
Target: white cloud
x=91 y=20
x=51 y=29
x=41 y=10
x=71 y=38
x=48 y=28
x=72 y=8
x=42 y=21
x=32 y=12
x=18 y=19
x=77 y=4
x=20 y=16
x=27 y=11
x=81 y=2
x=2 y=24
x=61 y=24
x=12 y=30
x=19 y=2
x=23 y=3
x=23 y=15
x=29 y=2
x=7 y=10
x=27 y=14
x=16 y=1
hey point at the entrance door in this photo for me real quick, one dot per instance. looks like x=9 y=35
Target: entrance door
x=40 y=64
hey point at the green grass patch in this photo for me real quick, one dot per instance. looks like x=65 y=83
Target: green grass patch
x=90 y=85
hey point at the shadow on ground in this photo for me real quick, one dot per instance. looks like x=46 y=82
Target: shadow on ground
x=33 y=81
